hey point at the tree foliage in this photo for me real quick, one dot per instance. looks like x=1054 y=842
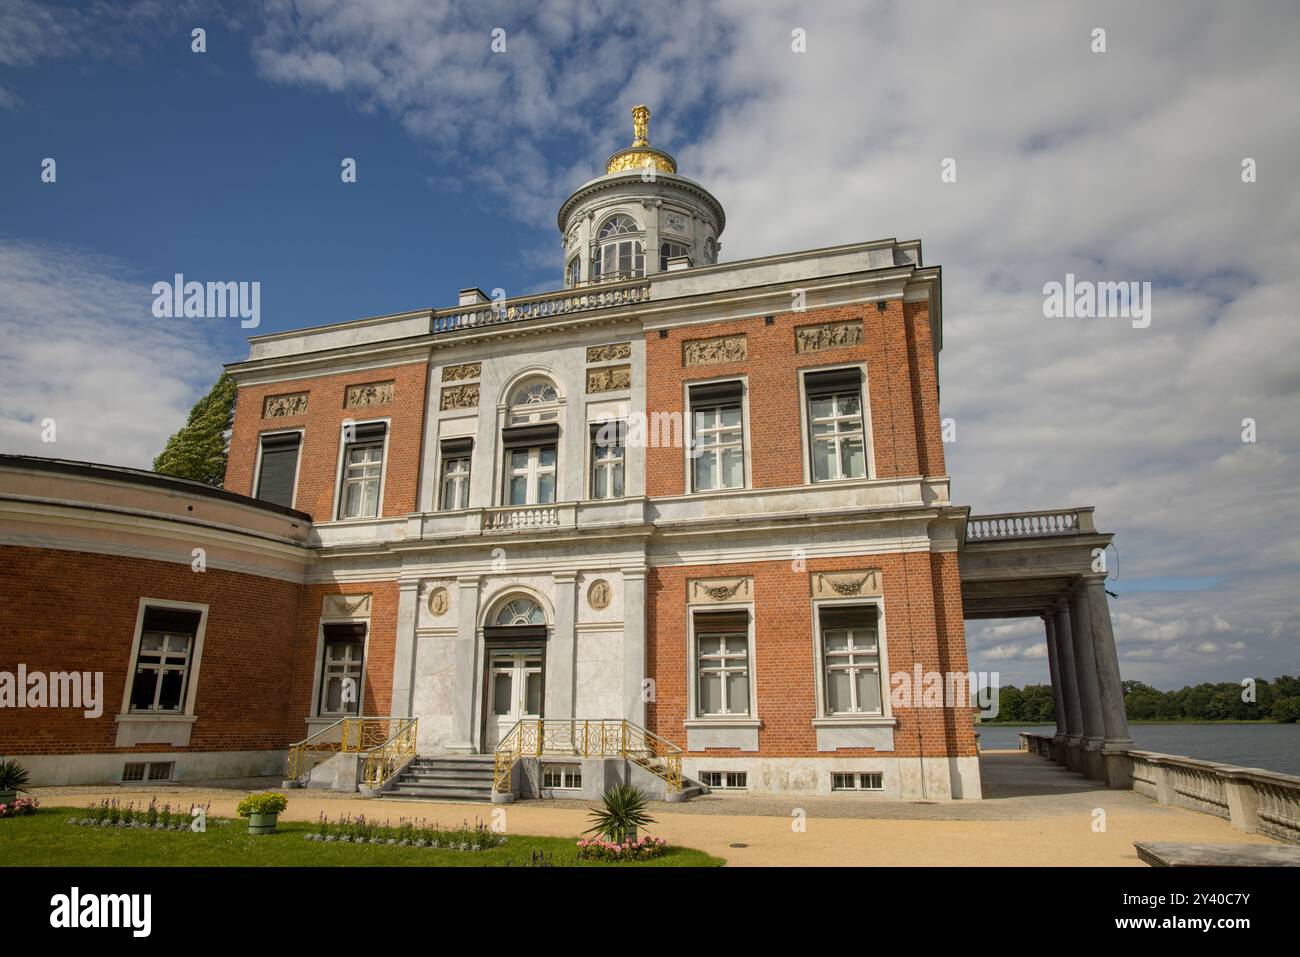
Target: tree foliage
x=1276 y=700
x=198 y=450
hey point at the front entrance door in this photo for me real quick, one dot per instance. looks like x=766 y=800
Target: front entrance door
x=514 y=692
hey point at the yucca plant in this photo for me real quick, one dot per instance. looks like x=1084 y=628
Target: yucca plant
x=13 y=777
x=623 y=811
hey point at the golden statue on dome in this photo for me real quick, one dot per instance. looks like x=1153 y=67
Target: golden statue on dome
x=640 y=155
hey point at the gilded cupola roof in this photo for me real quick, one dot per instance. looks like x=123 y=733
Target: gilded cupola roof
x=640 y=154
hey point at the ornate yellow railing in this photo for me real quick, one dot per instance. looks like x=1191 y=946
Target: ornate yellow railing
x=383 y=762
x=346 y=735
x=606 y=737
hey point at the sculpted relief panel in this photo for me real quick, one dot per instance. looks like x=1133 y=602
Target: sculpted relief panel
x=609 y=379
x=705 y=591
x=609 y=353
x=459 y=397
x=853 y=584
x=278 y=406
x=467 y=370
x=830 y=335
x=699 y=352
x=364 y=396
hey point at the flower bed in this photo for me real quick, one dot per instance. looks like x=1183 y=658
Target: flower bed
x=639 y=850
x=406 y=833
x=151 y=817
x=19 y=806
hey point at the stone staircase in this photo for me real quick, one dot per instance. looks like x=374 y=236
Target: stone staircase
x=448 y=777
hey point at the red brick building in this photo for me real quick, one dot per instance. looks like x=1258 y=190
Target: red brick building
x=704 y=498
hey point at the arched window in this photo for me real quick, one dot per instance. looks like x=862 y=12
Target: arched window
x=618 y=255
x=520 y=611
x=572 y=273
x=533 y=400
x=710 y=250
x=619 y=225
x=668 y=250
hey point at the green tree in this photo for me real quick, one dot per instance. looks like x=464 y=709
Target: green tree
x=198 y=450
x=1286 y=710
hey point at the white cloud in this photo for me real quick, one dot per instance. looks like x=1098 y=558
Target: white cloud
x=79 y=345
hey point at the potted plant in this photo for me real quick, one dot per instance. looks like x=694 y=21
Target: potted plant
x=623 y=811
x=262 y=810
x=13 y=778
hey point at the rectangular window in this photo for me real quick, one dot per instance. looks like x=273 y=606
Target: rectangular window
x=722 y=663
x=564 y=777
x=134 y=771
x=857 y=781
x=530 y=478
x=837 y=441
x=851 y=659
x=162 y=665
x=340 y=692
x=726 y=780
x=717 y=436
x=161 y=770
x=278 y=467
x=608 y=443
x=455 y=474
x=363 y=466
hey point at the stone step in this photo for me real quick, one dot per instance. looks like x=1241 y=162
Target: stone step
x=446 y=780
x=450 y=794
x=459 y=773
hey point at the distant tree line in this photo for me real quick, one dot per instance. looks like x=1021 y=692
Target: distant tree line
x=1276 y=700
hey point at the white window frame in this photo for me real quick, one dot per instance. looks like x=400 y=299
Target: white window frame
x=462 y=483
x=856 y=777
x=620 y=426
x=192 y=668
x=689 y=433
x=532 y=472
x=823 y=714
x=297 y=467
x=318 y=684
x=570 y=776
x=726 y=780
x=805 y=422
x=693 y=714
x=339 y=477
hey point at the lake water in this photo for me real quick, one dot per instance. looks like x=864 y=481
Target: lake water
x=1272 y=746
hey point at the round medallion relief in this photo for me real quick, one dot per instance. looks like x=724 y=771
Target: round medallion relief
x=598 y=594
x=439 y=602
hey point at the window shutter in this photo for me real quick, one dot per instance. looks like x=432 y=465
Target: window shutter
x=172 y=620
x=721 y=622
x=456 y=448
x=717 y=393
x=345 y=632
x=279 y=463
x=848 y=616
x=832 y=380
x=524 y=436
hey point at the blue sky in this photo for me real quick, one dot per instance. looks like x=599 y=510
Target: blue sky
x=1122 y=165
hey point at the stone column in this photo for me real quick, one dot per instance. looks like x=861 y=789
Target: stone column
x=404 y=646
x=465 y=695
x=634 y=628
x=560 y=650
x=1114 y=718
x=1069 y=682
x=1086 y=668
x=1054 y=670
x=1094 y=731
x=1117 y=741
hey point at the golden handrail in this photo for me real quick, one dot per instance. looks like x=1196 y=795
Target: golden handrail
x=355 y=735
x=603 y=737
x=383 y=761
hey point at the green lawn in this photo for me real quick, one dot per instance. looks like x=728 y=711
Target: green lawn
x=46 y=839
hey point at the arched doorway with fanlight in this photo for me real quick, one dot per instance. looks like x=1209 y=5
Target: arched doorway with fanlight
x=514 y=663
